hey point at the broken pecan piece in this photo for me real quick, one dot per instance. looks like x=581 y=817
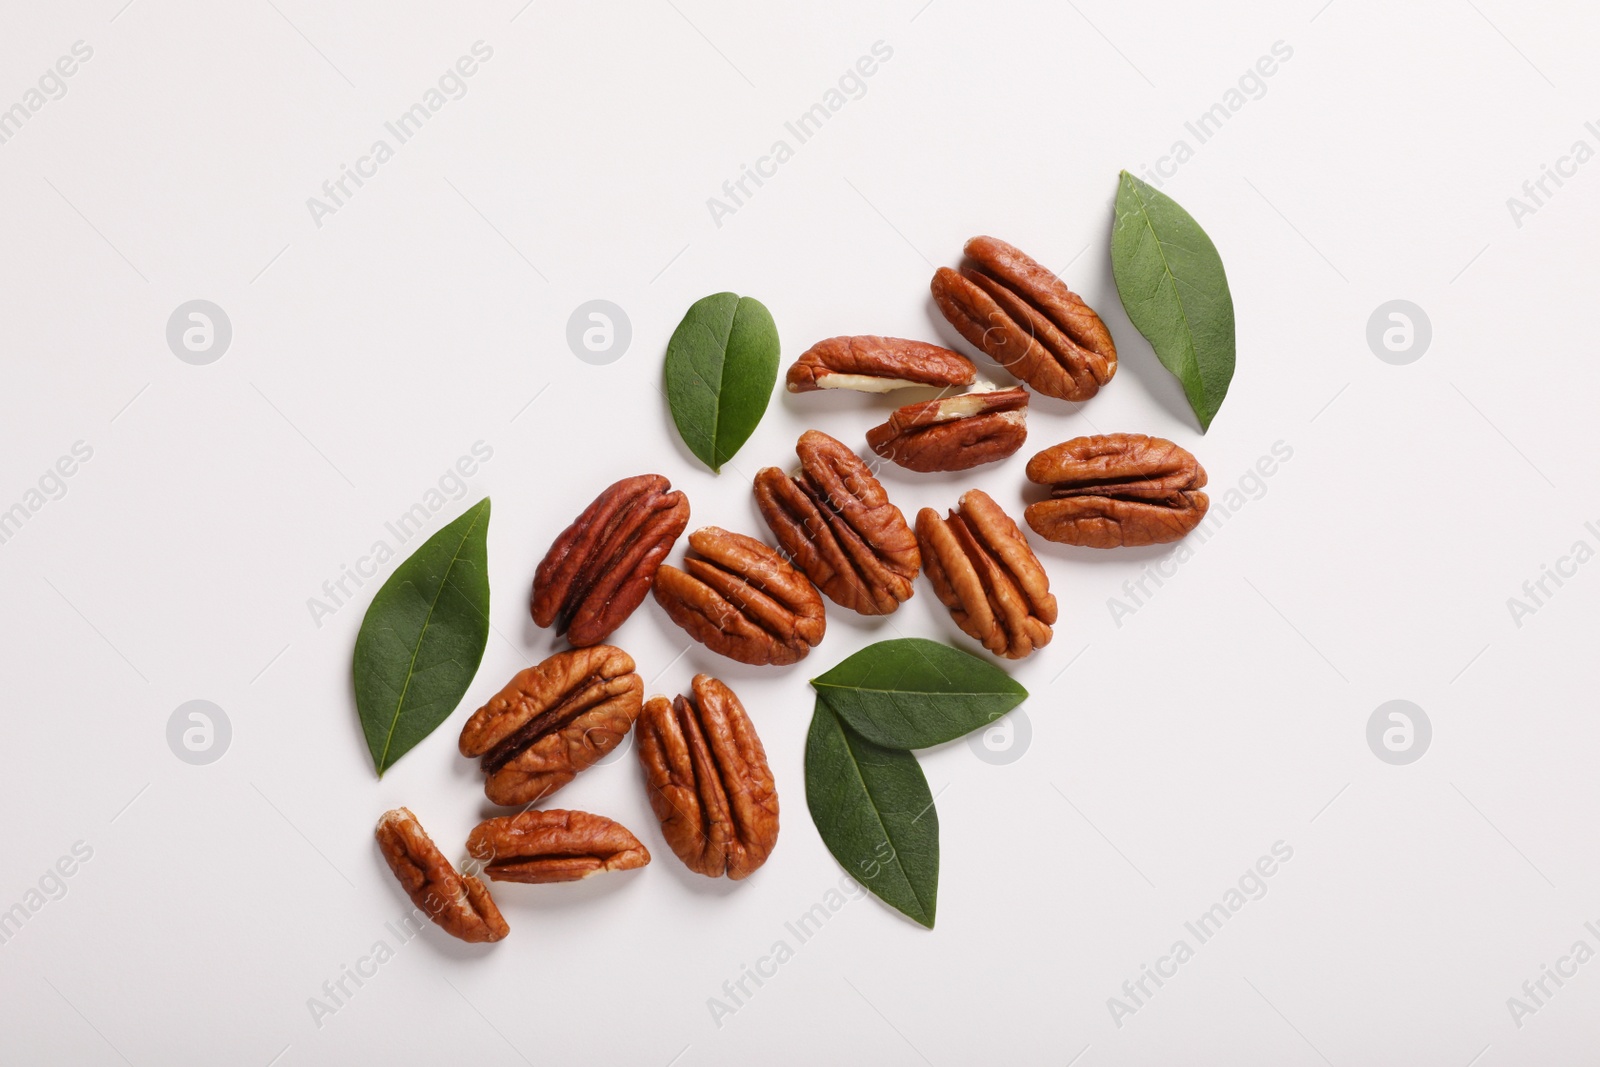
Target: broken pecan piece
x=709 y=781
x=835 y=522
x=742 y=599
x=983 y=570
x=1117 y=489
x=459 y=904
x=877 y=365
x=552 y=721
x=601 y=566
x=1027 y=320
x=955 y=433
x=553 y=846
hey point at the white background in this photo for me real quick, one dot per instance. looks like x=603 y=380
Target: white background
x=1167 y=753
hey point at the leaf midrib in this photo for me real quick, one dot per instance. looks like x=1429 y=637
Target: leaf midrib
x=855 y=765
x=1166 y=267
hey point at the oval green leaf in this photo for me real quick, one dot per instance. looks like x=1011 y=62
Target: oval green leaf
x=423 y=637
x=1172 y=285
x=722 y=363
x=875 y=813
x=915 y=693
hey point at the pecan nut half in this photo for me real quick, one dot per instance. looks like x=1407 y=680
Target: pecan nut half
x=877 y=365
x=552 y=721
x=601 y=566
x=835 y=522
x=709 y=781
x=983 y=570
x=1027 y=320
x=955 y=433
x=553 y=846
x=742 y=599
x=459 y=904
x=1117 y=489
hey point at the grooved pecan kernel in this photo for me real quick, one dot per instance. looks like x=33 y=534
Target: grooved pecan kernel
x=983 y=570
x=835 y=522
x=553 y=846
x=459 y=904
x=601 y=566
x=955 y=433
x=709 y=781
x=1027 y=320
x=877 y=365
x=552 y=721
x=1117 y=489
x=742 y=599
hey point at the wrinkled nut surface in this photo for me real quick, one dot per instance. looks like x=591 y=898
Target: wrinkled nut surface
x=553 y=846
x=601 y=566
x=742 y=599
x=835 y=522
x=955 y=433
x=708 y=780
x=1027 y=320
x=459 y=904
x=1120 y=489
x=877 y=365
x=552 y=721
x=983 y=570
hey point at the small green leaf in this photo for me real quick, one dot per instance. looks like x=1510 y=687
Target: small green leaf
x=722 y=363
x=914 y=693
x=1172 y=285
x=875 y=813
x=423 y=637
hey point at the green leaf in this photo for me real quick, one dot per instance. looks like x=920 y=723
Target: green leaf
x=423 y=637
x=1175 y=291
x=722 y=363
x=875 y=813
x=914 y=693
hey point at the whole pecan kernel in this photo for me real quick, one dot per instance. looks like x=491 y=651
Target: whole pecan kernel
x=983 y=570
x=835 y=522
x=459 y=904
x=601 y=566
x=742 y=599
x=553 y=846
x=955 y=433
x=1027 y=320
x=552 y=721
x=708 y=780
x=877 y=365
x=1117 y=489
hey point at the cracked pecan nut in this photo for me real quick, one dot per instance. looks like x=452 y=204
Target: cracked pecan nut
x=1027 y=320
x=553 y=846
x=742 y=599
x=955 y=433
x=708 y=780
x=601 y=566
x=877 y=365
x=982 y=568
x=1119 y=489
x=552 y=721
x=459 y=904
x=835 y=522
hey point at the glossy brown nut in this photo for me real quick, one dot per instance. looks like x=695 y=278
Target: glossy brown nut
x=955 y=433
x=835 y=522
x=552 y=721
x=1027 y=320
x=601 y=566
x=709 y=781
x=459 y=904
x=983 y=570
x=553 y=846
x=877 y=365
x=1120 y=489
x=742 y=599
